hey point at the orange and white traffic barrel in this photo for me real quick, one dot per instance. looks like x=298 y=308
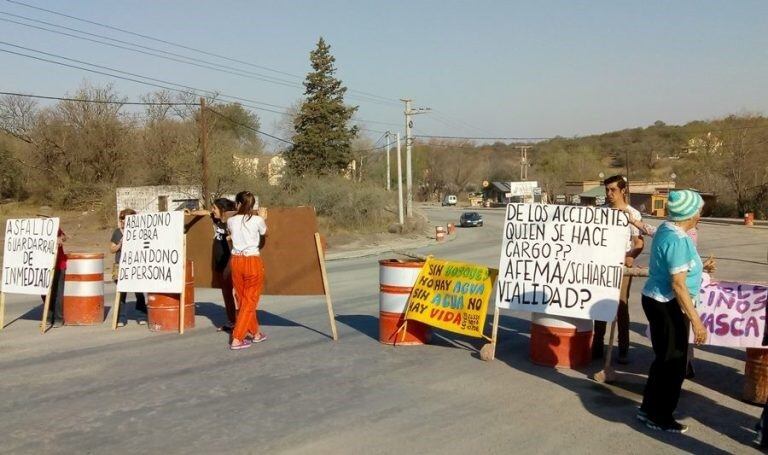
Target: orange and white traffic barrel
x=451 y=228
x=558 y=341
x=84 y=289
x=396 y=280
x=163 y=309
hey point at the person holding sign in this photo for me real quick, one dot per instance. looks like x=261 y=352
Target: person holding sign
x=673 y=284
x=116 y=246
x=710 y=265
x=56 y=310
x=246 y=231
x=222 y=209
x=616 y=198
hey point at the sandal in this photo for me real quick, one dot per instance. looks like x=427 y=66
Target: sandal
x=244 y=344
x=260 y=338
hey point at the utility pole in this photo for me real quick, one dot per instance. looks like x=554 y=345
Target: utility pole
x=408 y=145
x=524 y=162
x=389 y=175
x=399 y=182
x=204 y=151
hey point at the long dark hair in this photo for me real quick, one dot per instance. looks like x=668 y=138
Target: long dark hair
x=224 y=205
x=247 y=201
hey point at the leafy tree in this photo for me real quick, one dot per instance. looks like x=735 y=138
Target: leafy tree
x=322 y=143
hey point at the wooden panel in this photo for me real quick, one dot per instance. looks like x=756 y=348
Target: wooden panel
x=291 y=263
x=290 y=253
x=200 y=249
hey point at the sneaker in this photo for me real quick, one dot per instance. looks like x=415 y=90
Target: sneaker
x=141 y=321
x=121 y=323
x=674 y=427
x=57 y=324
x=259 y=338
x=244 y=344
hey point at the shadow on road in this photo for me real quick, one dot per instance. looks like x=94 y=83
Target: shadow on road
x=611 y=403
x=364 y=323
x=216 y=314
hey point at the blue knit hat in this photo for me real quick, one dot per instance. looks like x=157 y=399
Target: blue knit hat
x=683 y=205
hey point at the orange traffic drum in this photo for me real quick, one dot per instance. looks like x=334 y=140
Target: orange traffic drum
x=396 y=280
x=558 y=341
x=84 y=289
x=163 y=309
x=756 y=376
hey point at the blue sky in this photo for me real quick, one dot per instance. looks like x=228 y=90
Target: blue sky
x=488 y=68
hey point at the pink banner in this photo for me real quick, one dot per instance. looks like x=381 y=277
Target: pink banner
x=733 y=313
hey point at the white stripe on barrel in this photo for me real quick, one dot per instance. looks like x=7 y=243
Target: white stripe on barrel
x=77 y=266
x=83 y=288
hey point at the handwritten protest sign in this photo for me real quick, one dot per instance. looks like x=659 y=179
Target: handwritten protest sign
x=29 y=255
x=734 y=313
x=452 y=296
x=152 y=255
x=563 y=260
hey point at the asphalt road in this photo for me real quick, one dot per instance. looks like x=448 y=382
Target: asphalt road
x=91 y=390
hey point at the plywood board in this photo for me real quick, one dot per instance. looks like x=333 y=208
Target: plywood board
x=199 y=231
x=290 y=254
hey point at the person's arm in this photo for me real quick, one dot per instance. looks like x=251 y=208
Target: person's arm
x=115 y=247
x=116 y=242
x=644 y=228
x=199 y=212
x=686 y=305
x=637 y=247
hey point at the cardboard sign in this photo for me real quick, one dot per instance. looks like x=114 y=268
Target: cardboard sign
x=29 y=256
x=733 y=313
x=563 y=260
x=152 y=255
x=452 y=296
x=291 y=262
x=291 y=259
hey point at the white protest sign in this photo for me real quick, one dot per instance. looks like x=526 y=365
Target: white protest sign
x=29 y=255
x=526 y=188
x=152 y=254
x=562 y=260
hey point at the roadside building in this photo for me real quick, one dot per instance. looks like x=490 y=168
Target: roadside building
x=162 y=198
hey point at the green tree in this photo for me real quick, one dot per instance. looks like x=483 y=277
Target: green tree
x=322 y=143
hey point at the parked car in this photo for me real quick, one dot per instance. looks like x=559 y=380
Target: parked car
x=450 y=200
x=470 y=219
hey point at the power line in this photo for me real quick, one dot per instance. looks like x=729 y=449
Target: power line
x=80 y=100
x=27 y=5
x=244 y=125
x=222 y=68
x=189 y=89
x=475 y=138
x=171 y=56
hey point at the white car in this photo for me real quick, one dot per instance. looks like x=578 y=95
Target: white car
x=450 y=200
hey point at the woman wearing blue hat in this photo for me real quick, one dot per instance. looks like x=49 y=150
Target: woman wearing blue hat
x=673 y=285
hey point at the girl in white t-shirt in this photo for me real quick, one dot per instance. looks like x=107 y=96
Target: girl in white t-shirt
x=246 y=230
